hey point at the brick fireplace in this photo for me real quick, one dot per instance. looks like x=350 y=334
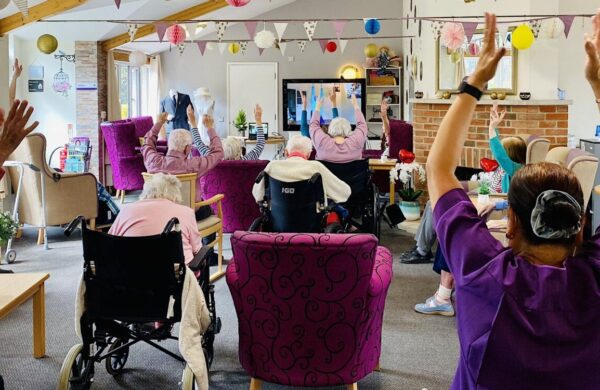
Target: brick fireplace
x=545 y=118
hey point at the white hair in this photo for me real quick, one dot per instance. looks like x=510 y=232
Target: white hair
x=162 y=186
x=179 y=139
x=232 y=148
x=339 y=127
x=299 y=143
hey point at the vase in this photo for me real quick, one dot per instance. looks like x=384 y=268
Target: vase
x=411 y=210
x=483 y=199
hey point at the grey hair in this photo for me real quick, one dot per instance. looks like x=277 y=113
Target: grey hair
x=339 y=127
x=162 y=186
x=179 y=139
x=232 y=148
x=299 y=143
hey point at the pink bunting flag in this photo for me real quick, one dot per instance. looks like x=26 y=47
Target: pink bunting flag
x=338 y=27
x=118 y=3
x=323 y=43
x=260 y=51
x=161 y=29
x=202 y=46
x=251 y=27
x=470 y=28
x=568 y=21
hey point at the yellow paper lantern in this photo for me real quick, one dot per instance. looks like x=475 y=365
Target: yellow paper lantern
x=456 y=56
x=522 y=37
x=371 y=50
x=234 y=48
x=47 y=44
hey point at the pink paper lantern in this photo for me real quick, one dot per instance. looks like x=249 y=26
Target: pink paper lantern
x=176 y=34
x=453 y=35
x=237 y=3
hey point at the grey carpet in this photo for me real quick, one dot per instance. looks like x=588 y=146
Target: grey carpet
x=418 y=351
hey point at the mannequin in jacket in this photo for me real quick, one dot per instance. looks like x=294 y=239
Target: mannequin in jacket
x=175 y=104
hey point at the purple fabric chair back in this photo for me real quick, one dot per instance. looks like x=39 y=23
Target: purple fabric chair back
x=235 y=179
x=310 y=306
x=401 y=137
x=127 y=165
x=143 y=124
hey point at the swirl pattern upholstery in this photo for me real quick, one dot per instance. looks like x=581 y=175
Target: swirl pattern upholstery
x=143 y=125
x=235 y=179
x=310 y=306
x=127 y=165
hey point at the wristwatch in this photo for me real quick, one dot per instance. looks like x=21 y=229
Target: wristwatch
x=470 y=90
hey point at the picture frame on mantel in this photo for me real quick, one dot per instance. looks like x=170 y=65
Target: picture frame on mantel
x=510 y=80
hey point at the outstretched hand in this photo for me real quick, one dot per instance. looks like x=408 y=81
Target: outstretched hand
x=319 y=103
x=15 y=127
x=17 y=69
x=489 y=57
x=163 y=117
x=191 y=116
x=496 y=117
x=208 y=122
x=333 y=96
x=355 y=102
x=304 y=100
x=592 y=48
x=258 y=111
x=384 y=108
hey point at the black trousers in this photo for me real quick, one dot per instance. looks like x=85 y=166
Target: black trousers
x=203 y=213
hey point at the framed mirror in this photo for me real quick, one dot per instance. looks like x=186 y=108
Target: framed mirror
x=453 y=66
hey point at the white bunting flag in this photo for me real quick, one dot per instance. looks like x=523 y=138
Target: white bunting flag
x=282 y=47
x=181 y=48
x=221 y=27
x=343 y=43
x=280 y=28
x=243 y=47
x=22 y=6
x=310 y=27
x=132 y=30
x=302 y=46
x=222 y=46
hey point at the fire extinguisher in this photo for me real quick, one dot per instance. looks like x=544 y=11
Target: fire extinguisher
x=63 y=157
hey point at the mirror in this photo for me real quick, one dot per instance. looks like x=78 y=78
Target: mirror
x=453 y=66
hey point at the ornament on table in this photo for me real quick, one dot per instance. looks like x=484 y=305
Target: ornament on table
x=488 y=165
x=453 y=35
x=535 y=26
x=176 y=34
x=501 y=95
x=522 y=38
x=137 y=58
x=47 y=43
x=331 y=46
x=237 y=3
x=234 y=48
x=264 y=39
x=494 y=96
x=383 y=59
x=525 y=95
x=372 y=26
x=406 y=156
x=418 y=95
x=371 y=50
x=446 y=95
x=553 y=28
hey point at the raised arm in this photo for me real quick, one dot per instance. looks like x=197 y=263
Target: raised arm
x=215 y=153
x=201 y=146
x=496 y=117
x=385 y=119
x=304 y=120
x=12 y=89
x=255 y=153
x=333 y=99
x=149 y=151
x=14 y=128
x=359 y=136
x=592 y=48
x=448 y=146
x=317 y=134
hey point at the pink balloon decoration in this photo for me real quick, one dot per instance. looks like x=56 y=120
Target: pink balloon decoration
x=176 y=34
x=453 y=35
x=237 y=3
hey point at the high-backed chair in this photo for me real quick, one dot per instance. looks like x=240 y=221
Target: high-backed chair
x=537 y=148
x=126 y=163
x=208 y=226
x=64 y=195
x=582 y=163
x=310 y=306
x=143 y=125
x=236 y=179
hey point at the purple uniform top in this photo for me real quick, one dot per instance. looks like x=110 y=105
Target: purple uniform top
x=520 y=326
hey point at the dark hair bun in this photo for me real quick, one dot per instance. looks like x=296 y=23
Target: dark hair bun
x=560 y=215
x=557 y=215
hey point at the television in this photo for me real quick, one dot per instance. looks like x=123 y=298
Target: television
x=292 y=99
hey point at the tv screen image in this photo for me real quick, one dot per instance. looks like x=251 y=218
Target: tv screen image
x=313 y=89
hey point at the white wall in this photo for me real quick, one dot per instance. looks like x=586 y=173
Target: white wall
x=189 y=71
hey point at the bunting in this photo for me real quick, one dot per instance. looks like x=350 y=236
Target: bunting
x=283 y=47
x=132 y=30
x=310 y=28
x=343 y=43
x=222 y=46
x=323 y=44
x=243 y=47
x=118 y=3
x=469 y=28
x=202 y=46
x=181 y=48
x=568 y=21
x=221 y=27
x=260 y=51
x=280 y=28
x=161 y=29
x=251 y=28
x=22 y=6
x=338 y=27
x=302 y=46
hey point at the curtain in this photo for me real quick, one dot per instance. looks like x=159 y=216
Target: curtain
x=460 y=69
x=114 y=106
x=154 y=87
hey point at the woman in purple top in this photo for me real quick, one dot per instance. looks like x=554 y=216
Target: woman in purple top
x=528 y=316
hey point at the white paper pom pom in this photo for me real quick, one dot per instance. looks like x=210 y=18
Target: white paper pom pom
x=264 y=39
x=137 y=58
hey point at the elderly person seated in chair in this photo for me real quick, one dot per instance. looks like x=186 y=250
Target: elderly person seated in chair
x=297 y=167
x=339 y=144
x=159 y=203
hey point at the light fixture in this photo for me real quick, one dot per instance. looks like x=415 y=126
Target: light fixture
x=350 y=72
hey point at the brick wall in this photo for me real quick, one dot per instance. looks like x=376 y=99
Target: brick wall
x=551 y=122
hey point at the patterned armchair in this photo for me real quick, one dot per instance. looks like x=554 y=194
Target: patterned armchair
x=127 y=164
x=236 y=179
x=143 y=124
x=310 y=306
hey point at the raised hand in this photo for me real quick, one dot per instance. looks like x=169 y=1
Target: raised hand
x=354 y=101
x=384 y=108
x=592 y=48
x=258 y=111
x=489 y=57
x=191 y=116
x=17 y=69
x=333 y=97
x=163 y=117
x=208 y=122
x=496 y=117
x=320 y=103
x=15 y=127
x=304 y=100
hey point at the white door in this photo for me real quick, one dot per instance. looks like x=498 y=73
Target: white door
x=248 y=84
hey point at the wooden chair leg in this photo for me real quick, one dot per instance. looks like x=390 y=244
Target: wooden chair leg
x=122 y=196
x=93 y=224
x=377 y=367
x=220 y=252
x=353 y=386
x=255 y=384
x=40 y=240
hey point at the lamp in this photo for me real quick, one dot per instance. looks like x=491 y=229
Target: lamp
x=350 y=72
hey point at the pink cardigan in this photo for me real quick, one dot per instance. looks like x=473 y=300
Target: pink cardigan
x=329 y=150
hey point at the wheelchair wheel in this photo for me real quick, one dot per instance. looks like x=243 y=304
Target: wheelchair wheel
x=116 y=362
x=76 y=371
x=11 y=256
x=188 y=380
x=334 y=228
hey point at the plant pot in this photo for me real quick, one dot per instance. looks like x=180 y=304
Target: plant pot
x=483 y=199
x=411 y=210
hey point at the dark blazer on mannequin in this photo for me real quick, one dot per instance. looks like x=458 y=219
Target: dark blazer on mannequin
x=179 y=112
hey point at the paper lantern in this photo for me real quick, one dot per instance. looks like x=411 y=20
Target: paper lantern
x=4 y=3
x=176 y=34
x=264 y=39
x=331 y=46
x=456 y=56
x=237 y=3
x=453 y=35
x=553 y=28
x=522 y=37
x=234 y=48
x=47 y=43
x=137 y=58
x=372 y=26
x=474 y=49
x=371 y=50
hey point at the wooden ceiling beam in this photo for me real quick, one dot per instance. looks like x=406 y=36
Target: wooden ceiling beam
x=37 y=12
x=187 y=14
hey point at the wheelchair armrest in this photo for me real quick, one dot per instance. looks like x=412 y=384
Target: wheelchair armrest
x=211 y=201
x=200 y=259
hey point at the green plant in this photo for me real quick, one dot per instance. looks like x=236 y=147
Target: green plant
x=8 y=227
x=484 y=187
x=409 y=194
x=241 y=121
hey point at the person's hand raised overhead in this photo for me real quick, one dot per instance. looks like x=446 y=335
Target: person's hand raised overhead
x=333 y=96
x=163 y=117
x=208 y=122
x=17 y=69
x=496 y=117
x=355 y=102
x=592 y=48
x=258 y=111
x=489 y=57
x=320 y=101
x=15 y=127
x=384 y=108
x=304 y=100
x=192 y=117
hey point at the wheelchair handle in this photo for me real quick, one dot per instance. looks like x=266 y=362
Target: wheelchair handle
x=73 y=225
x=170 y=225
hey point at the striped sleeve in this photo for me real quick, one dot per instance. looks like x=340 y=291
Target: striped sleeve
x=201 y=146
x=255 y=153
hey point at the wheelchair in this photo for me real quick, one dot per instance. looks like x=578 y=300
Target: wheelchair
x=133 y=288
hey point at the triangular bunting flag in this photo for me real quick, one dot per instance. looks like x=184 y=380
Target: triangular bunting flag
x=282 y=47
x=568 y=21
x=338 y=27
x=243 y=47
x=132 y=30
x=202 y=46
x=251 y=28
x=310 y=27
x=535 y=26
x=221 y=27
x=22 y=6
x=161 y=29
x=323 y=43
x=118 y=3
x=260 y=51
x=222 y=46
x=280 y=28
x=436 y=28
x=343 y=43
x=502 y=34
x=469 y=28
x=302 y=46
x=181 y=48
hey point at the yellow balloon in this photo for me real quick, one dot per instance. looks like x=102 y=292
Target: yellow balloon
x=522 y=37
x=47 y=44
x=234 y=48
x=371 y=50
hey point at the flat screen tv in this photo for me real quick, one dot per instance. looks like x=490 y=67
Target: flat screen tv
x=313 y=88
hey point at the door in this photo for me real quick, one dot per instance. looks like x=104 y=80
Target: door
x=248 y=84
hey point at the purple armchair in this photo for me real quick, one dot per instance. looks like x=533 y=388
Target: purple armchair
x=127 y=164
x=235 y=179
x=310 y=306
x=143 y=124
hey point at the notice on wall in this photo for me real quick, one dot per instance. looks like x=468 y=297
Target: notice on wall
x=87 y=86
x=36 y=85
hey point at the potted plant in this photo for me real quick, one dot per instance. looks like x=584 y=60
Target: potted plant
x=407 y=173
x=8 y=229
x=241 y=122
x=484 y=190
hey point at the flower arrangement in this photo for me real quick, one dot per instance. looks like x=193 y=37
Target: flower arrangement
x=241 y=121
x=484 y=180
x=407 y=173
x=8 y=227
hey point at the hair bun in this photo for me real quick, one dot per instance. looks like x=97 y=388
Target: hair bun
x=556 y=215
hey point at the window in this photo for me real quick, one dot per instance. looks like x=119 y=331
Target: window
x=133 y=81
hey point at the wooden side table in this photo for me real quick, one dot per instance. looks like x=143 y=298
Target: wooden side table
x=378 y=165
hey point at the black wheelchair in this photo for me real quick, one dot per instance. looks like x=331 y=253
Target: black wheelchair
x=133 y=288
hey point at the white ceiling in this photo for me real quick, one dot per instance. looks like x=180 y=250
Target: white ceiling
x=130 y=10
